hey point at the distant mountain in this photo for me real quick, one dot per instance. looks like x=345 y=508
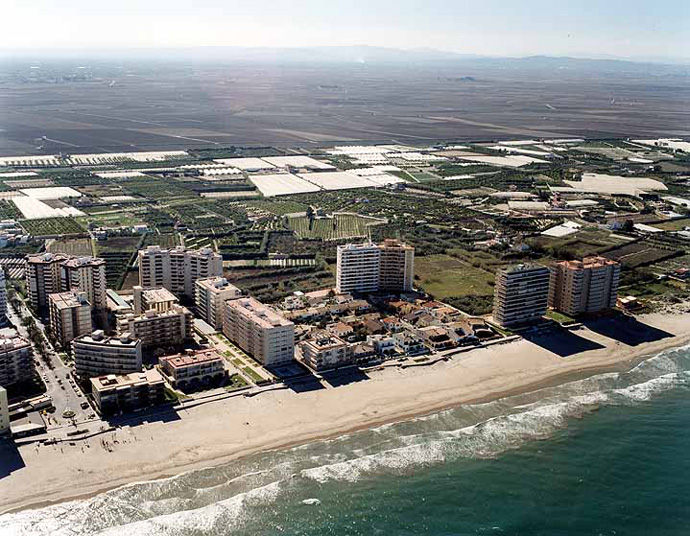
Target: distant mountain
x=323 y=54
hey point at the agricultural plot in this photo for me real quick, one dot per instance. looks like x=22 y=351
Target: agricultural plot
x=640 y=254
x=51 y=192
x=286 y=184
x=119 y=253
x=197 y=242
x=298 y=161
x=33 y=209
x=611 y=184
x=336 y=227
x=246 y=164
x=444 y=276
x=79 y=247
x=337 y=180
x=52 y=227
x=9 y=211
x=164 y=240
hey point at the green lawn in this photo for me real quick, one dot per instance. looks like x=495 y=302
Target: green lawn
x=559 y=317
x=444 y=276
x=256 y=378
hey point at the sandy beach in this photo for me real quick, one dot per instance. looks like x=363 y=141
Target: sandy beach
x=220 y=431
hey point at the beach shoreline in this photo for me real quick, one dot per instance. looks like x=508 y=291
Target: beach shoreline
x=213 y=434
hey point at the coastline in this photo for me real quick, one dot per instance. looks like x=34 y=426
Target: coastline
x=216 y=433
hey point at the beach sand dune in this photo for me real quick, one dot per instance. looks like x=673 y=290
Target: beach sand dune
x=173 y=442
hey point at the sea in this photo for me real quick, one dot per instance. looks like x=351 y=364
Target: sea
x=607 y=455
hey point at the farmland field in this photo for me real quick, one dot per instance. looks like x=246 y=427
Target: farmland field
x=118 y=252
x=639 y=254
x=338 y=227
x=444 y=276
x=52 y=226
x=80 y=247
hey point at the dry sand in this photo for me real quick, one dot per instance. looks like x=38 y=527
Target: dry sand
x=213 y=433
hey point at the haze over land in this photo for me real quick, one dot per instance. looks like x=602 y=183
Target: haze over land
x=333 y=95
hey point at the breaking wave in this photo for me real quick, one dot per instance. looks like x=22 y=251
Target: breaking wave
x=223 y=499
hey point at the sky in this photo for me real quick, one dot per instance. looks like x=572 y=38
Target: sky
x=634 y=29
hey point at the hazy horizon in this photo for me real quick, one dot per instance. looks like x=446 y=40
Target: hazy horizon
x=630 y=30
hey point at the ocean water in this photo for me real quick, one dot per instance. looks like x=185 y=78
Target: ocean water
x=609 y=455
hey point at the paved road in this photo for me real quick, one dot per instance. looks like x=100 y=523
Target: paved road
x=64 y=391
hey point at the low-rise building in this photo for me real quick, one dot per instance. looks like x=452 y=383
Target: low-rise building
x=193 y=370
x=260 y=331
x=325 y=351
x=114 y=394
x=16 y=360
x=363 y=352
x=409 y=343
x=98 y=355
x=437 y=338
x=70 y=316
x=210 y=295
x=383 y=344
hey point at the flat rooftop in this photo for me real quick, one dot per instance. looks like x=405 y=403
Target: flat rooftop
x=67 y=300
x=186 y=360
x=111 y=381
x=259 y=313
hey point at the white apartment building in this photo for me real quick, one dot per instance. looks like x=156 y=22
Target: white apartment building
x=359 y=267
x=43 y=277
x=521 y=294
x=16 y=360
x=85 y=274
x=260 y=331
x=159 y=328
x=3 y=296
x=371 y=268
x=210 y=295
x=586 y=286
x=98 y=355
x=70 y=316
x=4 y=412
x=177 y=269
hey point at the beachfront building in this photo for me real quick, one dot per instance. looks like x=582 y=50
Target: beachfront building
x=114 y=394
x=210 y=295
x=397 y=266
x=521 y=294
x=370 y=268
x=98 y=355
x=16 y=360
x=177 y=269
x=4 y=412
x=325 y=351
x=171 y=327
x=260 y=331
x=70 y=316
x=192 y=370
x=585 y=286
x=43 y=278
x=358 y=268
x=85 y=274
